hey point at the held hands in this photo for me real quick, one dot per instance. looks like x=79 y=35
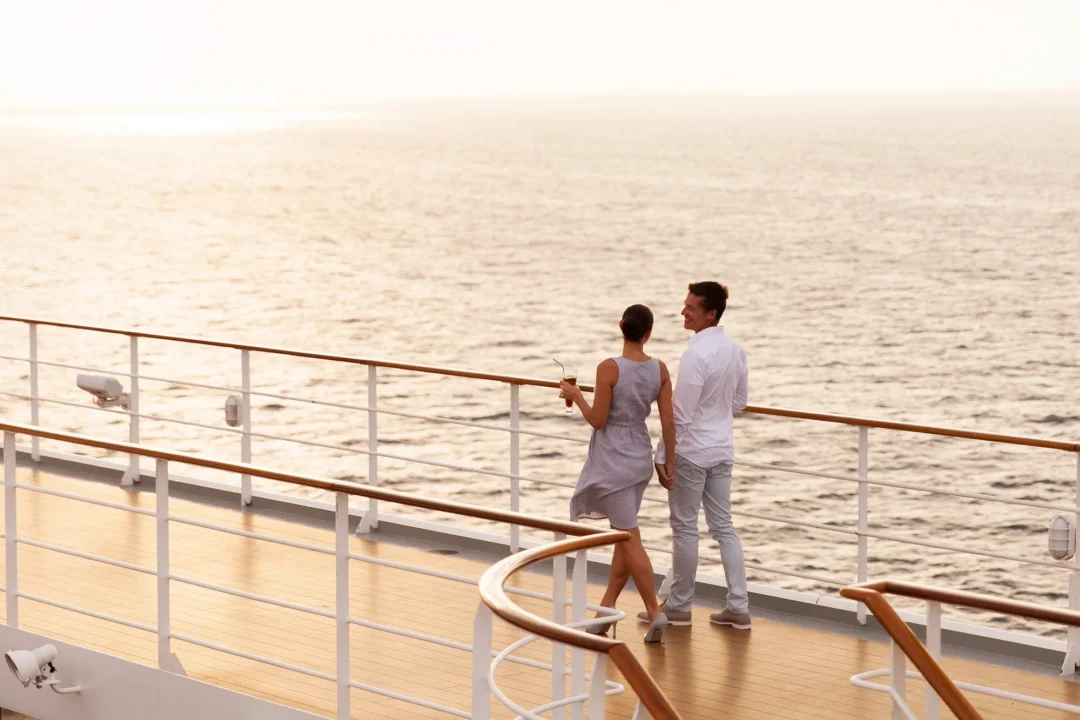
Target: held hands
x=570 y=392
x=666 y=473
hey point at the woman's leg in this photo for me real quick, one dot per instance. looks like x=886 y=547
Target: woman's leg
x=641 y=569
x=618 y=576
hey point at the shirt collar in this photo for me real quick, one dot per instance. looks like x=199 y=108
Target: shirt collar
x=707 y=332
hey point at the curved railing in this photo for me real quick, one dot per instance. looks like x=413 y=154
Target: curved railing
x=495 y=598
x=925 y=657
x=584 y=536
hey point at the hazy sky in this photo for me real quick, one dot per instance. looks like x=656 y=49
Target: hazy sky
x=62 y=53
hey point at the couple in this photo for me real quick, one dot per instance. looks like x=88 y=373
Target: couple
x=693 y=460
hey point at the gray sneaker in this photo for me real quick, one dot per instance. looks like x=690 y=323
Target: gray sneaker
x=674 y=617
x=739 y=621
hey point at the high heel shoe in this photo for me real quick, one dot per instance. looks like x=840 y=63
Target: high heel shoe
x=601 y=629
x=657 y=629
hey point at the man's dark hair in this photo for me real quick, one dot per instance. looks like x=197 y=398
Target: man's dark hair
x=714 y=294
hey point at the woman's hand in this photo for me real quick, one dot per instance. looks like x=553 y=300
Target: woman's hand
x=570 y=392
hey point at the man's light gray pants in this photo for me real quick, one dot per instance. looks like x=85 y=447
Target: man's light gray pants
x=695 y=486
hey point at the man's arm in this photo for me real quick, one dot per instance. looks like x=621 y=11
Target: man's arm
x=687 y=394
x=742 y=388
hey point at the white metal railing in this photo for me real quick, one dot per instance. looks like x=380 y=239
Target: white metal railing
x=861 y=528
x=484 y=656
x=926 y=656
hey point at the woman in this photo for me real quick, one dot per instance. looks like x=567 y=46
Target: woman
x=620 y=462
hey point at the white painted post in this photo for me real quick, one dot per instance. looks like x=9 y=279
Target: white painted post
x=640 y=711
x=864 y=507
x=481 y=663
x=558 y=615
x=577 y=655
x=133 y=474
x=899 y=679
x=245 y=419
x=35 y=442
x=515 y=464
x=161 y=493
x=933 y=644
x=11 y=535
x=344 y=670
x=1072 y=645
x=596 y=688
x=370 y=521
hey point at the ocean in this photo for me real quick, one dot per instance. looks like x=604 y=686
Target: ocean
x=913 y=260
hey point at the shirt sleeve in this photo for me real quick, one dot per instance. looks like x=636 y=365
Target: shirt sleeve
x=742 y=388
x=688 y=389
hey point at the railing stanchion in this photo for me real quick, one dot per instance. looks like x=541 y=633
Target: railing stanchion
x=370 y=521
x=133 y=473
x=35 y=442
x=1072 y=643
x=161 y=497
x=933 y=644
x=899 y=679
x=864 y=510
x=245 y=418
x=11 y=534
x=515 y=463
x=341 y=527
x=577 y=655
x=558 y=615
x=481 y=662
x=596 y=688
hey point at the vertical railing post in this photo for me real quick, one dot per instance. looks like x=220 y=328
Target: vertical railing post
x=864 y=508
x=481 y=663
x=245 y=419
x=344 y=670
x=558 y=615
x=161 y=496
x=370 y=521
x=133 y=473
x=577 y=655
x=933 y=645
x=1072 y=644
x=515 y=463
x=35 y=442
x=11 y=533
x=597 y=688
x=899 y=679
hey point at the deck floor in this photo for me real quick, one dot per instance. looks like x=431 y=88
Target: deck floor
x=777 y=670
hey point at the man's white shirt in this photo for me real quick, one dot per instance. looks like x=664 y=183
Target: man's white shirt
x=711 y=388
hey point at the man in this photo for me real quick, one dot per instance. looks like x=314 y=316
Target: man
x=711 y=387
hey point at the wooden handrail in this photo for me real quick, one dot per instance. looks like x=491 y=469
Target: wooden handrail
x=495 y=597
x=448 y=506
x=537 y=382
x=873 y=596
x=916 y=428
x=491 y=583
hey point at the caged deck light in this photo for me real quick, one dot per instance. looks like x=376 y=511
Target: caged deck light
x=1061 y=538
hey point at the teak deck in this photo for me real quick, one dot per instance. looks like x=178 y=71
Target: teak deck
x=777 y=670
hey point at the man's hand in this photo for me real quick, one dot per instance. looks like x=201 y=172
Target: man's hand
x=665 y=476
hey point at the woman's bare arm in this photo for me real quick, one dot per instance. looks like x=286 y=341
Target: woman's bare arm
x=607 y=374
x=667 y=425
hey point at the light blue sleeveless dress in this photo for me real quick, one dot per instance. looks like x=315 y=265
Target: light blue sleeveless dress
x=620 y=460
